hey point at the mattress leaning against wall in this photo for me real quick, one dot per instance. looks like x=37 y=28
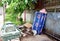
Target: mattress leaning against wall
x=53 y=24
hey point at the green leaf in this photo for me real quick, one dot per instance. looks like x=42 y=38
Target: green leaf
x=16 y=7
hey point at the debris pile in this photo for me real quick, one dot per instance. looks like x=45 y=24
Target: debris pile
x=26 y=30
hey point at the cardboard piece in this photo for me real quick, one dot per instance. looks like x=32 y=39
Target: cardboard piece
x=28 y=25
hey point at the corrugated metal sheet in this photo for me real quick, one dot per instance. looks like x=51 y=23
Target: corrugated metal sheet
x=53 y=23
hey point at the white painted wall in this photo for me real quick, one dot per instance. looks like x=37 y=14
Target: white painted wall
x=29 y=15
x=1 y=17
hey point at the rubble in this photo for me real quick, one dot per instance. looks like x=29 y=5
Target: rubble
x=26 y=30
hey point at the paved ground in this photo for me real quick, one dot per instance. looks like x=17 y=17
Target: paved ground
x=38 y=38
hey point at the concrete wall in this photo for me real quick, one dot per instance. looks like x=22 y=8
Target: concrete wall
x=1 y=17
x=29 y=15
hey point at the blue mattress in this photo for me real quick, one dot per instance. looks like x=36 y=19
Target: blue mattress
x=39 y=22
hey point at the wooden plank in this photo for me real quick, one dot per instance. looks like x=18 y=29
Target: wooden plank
x=53 y=7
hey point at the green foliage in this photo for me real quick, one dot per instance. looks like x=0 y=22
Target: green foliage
x=1 y=3
x=15 y=8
